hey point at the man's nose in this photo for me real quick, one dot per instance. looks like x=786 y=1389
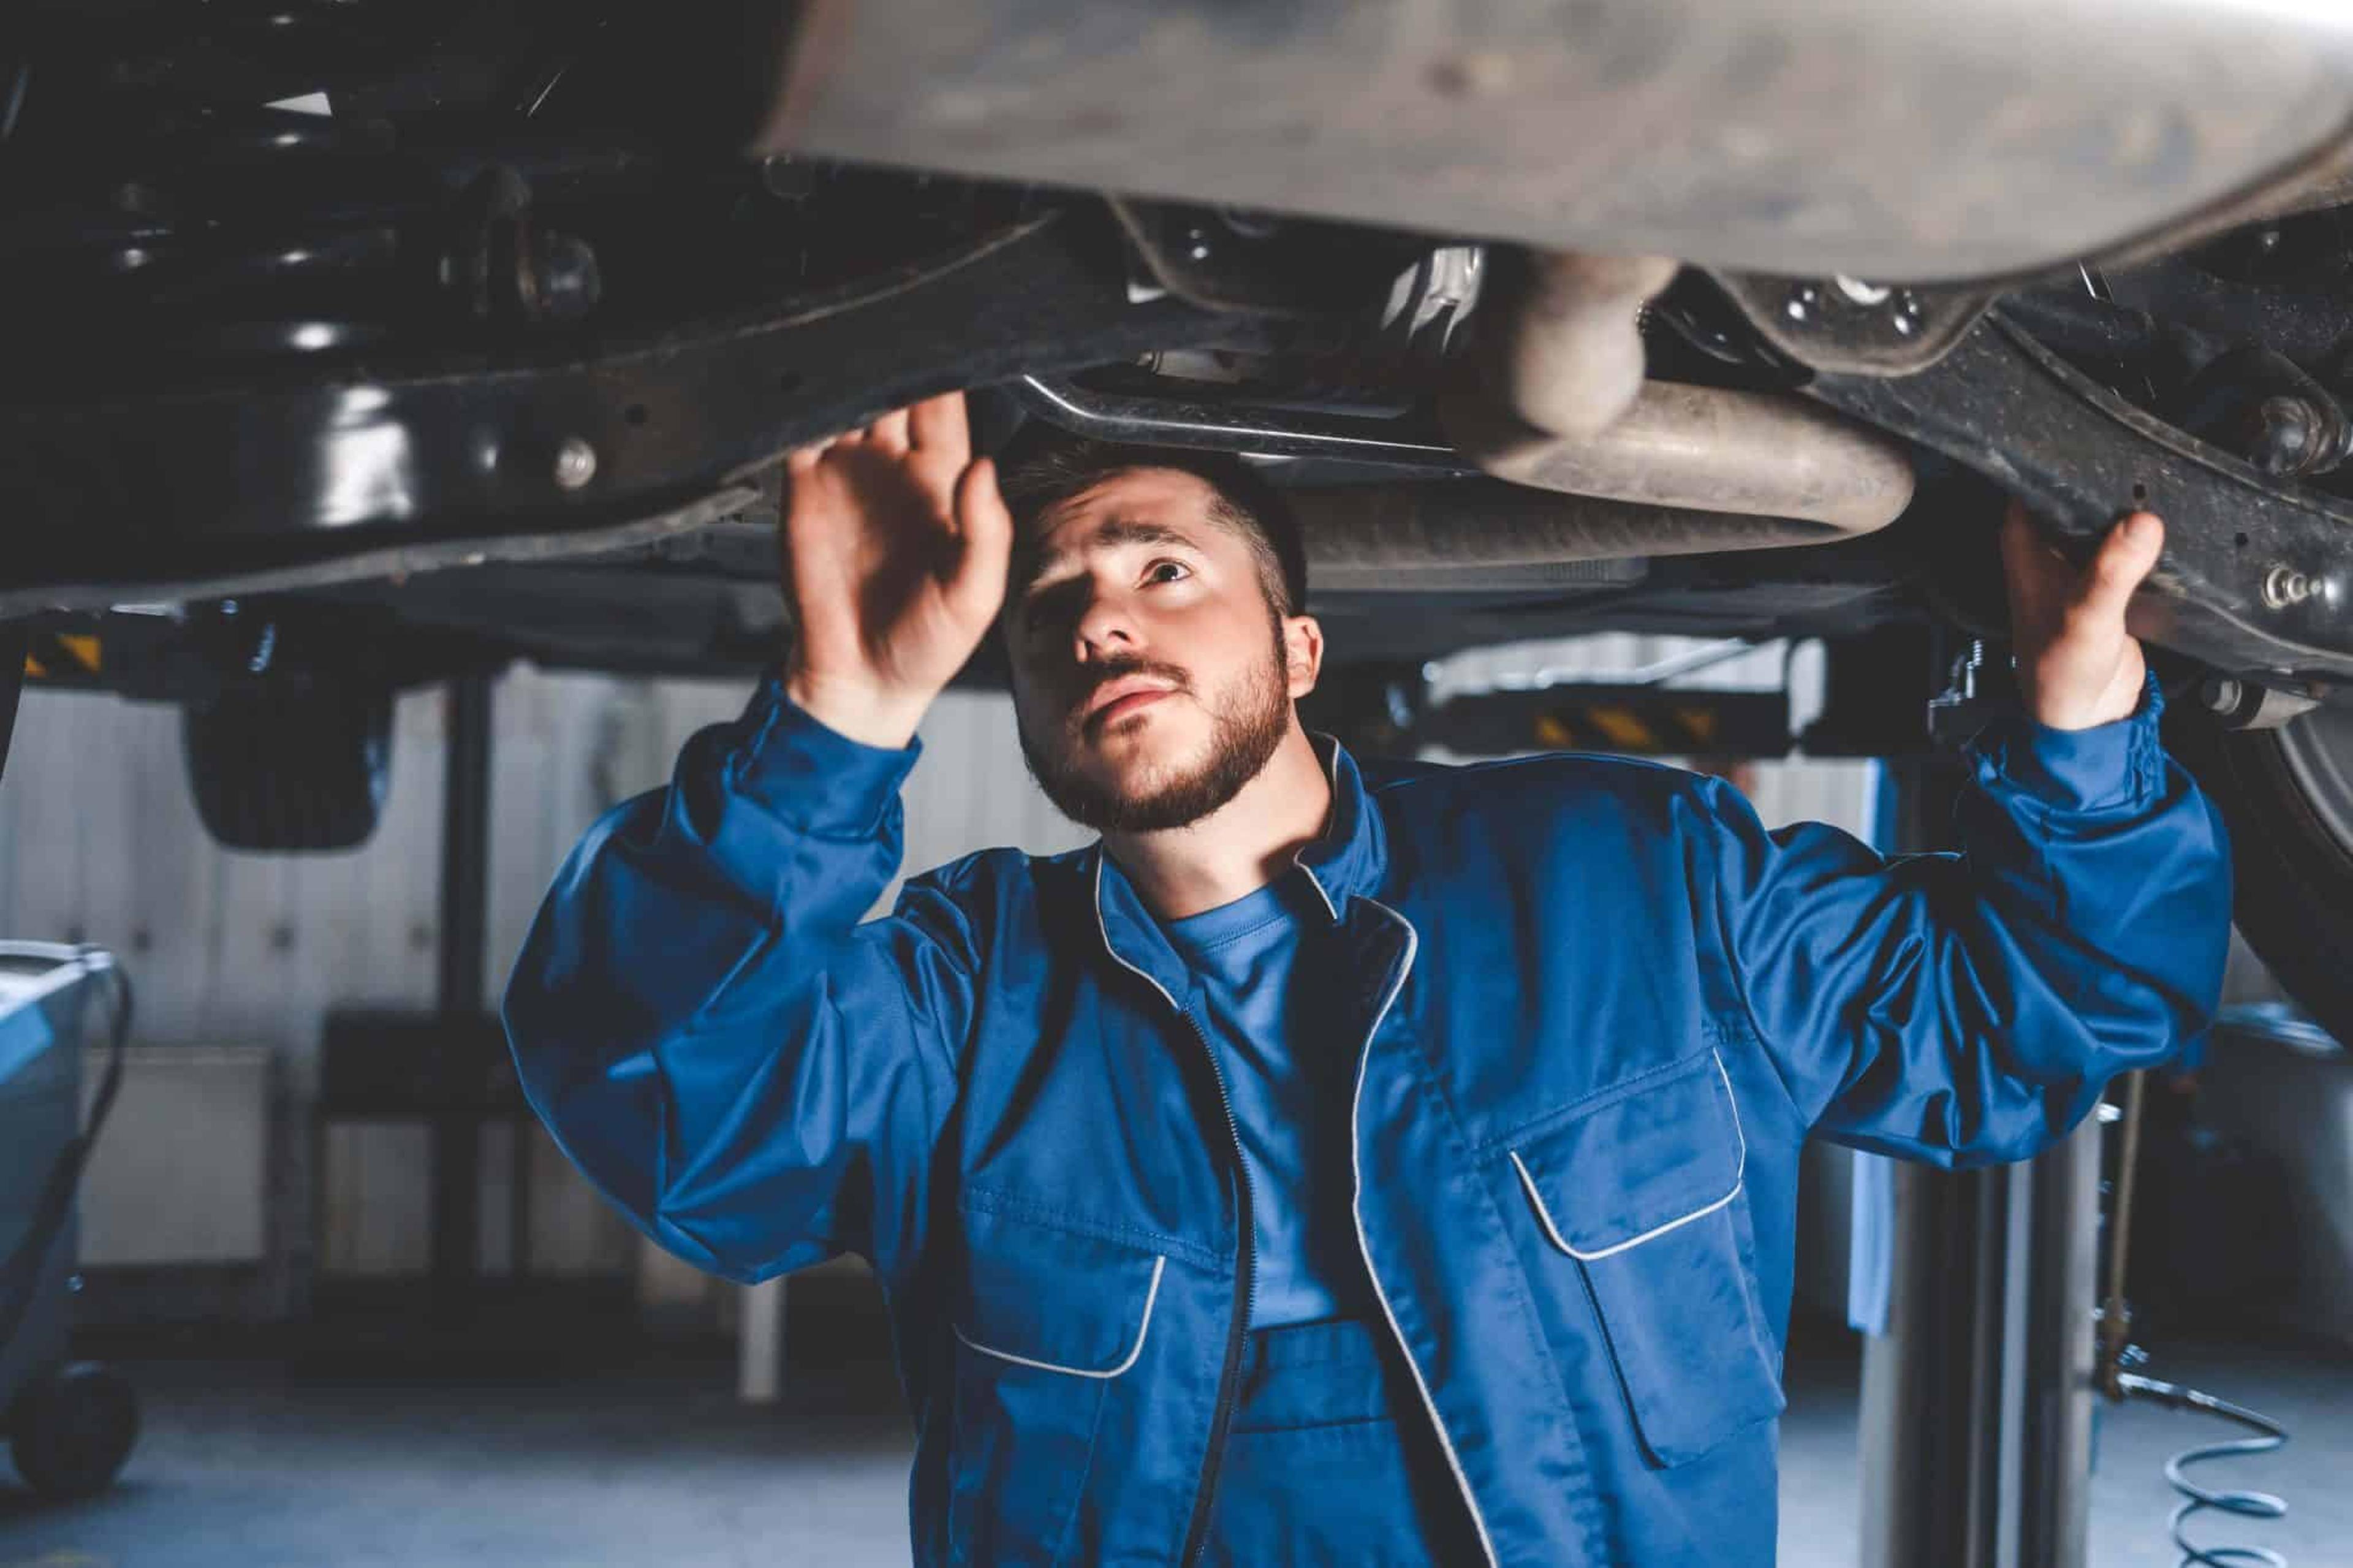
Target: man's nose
x=1103 y=627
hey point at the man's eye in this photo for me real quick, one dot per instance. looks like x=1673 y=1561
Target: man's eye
x=1152 y=572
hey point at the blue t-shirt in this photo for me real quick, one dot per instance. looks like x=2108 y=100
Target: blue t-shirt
x=1264 y=996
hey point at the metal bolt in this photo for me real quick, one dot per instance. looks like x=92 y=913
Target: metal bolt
x=2245 y=705
x=560 y=281
x=2285 y=585
x=1803 y=300
x=576 y=463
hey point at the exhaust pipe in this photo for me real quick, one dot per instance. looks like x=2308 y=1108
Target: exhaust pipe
x=1567 y=408
x=1702 y=448
x=1570 y=357
x=1465 y=534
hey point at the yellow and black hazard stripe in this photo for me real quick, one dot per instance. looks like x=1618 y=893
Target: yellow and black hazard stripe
x=1634 y=720
x=63 y=659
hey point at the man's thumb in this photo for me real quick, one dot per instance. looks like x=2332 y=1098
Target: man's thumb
x=2126 y=558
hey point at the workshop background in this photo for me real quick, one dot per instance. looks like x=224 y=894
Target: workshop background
x=257 y=1232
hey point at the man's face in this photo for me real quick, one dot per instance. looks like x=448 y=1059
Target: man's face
x=1152 y=676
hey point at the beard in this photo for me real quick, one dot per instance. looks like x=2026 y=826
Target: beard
x=1247 y=726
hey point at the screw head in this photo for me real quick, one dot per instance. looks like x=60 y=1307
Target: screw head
x=576 y=463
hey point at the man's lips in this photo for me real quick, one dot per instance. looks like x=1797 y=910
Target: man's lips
x=1126 y=695
x=1121 y=706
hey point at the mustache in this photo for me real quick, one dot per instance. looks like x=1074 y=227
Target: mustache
x=1120 y=670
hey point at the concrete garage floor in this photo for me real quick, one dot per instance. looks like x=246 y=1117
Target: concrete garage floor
x=252 y=1463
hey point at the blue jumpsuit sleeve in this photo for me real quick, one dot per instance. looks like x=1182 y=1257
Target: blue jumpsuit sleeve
x=1968 y=1007
x=750 y=1074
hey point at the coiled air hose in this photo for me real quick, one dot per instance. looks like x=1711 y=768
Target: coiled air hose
x=2120 y=1384
x=2196 y=1499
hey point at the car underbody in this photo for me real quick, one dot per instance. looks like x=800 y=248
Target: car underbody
x=355 y=346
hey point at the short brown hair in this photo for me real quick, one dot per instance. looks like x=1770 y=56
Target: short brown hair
x=1036 y=483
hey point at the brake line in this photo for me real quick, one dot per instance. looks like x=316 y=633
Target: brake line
x=2119 y=1384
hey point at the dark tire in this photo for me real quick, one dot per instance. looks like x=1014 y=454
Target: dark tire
x=289 y=771
x=2287 y=797
x=72 y=1427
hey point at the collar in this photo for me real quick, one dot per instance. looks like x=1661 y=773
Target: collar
x=1345 y=861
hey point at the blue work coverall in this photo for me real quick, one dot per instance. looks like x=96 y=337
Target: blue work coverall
x=1600 y=1008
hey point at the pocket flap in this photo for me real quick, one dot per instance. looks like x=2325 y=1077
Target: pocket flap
x=1039 y=1296
x=1639 y=1190
x=1665 y=1152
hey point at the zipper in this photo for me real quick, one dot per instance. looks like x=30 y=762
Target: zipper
x=1205 y=1496
x=1365 y=1246
x=1197 y=1530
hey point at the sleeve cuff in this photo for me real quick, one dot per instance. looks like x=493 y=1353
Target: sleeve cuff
x=810 y=776
x=2119 y=763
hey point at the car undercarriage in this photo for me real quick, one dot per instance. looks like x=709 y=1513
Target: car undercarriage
x=355 y=346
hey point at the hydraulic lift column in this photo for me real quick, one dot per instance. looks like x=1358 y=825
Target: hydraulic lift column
x=1977 y=1402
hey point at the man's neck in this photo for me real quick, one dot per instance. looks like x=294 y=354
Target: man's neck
x=1238 y=849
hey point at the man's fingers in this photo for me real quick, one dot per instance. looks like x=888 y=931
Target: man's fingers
x=987 y=530
x=2126 y=558
x=937 y=428
x=888 y=434
x=2040 y=577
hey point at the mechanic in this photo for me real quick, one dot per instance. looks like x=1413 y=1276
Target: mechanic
x=1337 y=1162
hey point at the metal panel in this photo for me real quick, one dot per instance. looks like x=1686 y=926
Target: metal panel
x=182 y=1173
x=1902 y=142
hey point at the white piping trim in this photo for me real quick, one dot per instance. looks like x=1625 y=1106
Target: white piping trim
x=1158 y=1266
x=1316 y=882
x=1365 y=1245
x=1115 y=958
x=1739 y=1177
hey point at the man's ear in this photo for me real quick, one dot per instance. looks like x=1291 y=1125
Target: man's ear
x=1303 y=653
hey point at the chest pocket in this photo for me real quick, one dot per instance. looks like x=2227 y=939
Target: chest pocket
x=1642 y=1196
x=1046 y=1321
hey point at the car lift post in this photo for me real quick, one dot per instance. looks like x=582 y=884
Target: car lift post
x=464 y=892
x=1975 y=1430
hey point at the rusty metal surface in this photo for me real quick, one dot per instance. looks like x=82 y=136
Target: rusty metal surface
x=2079 y=458
x=1911 y=142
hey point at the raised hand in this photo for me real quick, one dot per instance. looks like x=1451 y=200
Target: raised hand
x=2077 y=666
x=895 y=541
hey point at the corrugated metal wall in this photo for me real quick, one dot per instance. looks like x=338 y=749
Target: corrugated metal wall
x=98 y=842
